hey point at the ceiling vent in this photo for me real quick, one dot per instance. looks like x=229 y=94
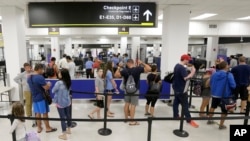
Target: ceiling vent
x=212 y=25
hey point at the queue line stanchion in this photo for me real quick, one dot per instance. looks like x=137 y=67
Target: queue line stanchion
x=247 y=110
x=11 y=118
x=180 y=132
x=105 y=131
x=73 y=124
x=149 y=128
x=190 y=94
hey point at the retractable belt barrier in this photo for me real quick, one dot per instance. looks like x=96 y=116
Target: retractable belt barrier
x=105 y=131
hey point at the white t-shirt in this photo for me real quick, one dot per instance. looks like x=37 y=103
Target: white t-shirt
x=63 y=63
x=19 y=127
x=71 y=68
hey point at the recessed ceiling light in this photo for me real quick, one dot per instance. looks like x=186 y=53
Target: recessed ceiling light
x=244 y=18
x=204 y=16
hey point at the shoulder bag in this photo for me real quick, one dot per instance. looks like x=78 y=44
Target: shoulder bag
x=46 y=94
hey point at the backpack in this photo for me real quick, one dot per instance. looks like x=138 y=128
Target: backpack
x=198 y=86
x=155 y=87
x=169 y=77
x=50 y=71
x=130 y=86
x=32 y=136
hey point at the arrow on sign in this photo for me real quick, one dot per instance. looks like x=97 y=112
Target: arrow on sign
x=147 y=13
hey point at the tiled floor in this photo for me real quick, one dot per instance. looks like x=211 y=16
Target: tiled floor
x=161 y=130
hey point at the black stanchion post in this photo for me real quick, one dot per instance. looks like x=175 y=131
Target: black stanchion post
x=247 y=113
x=190 y=94
x=73 y=124
x=149 y=128
x=4 y=78
x=105 y=131
x=207 y=110
x=11 y=117
x=180 y=132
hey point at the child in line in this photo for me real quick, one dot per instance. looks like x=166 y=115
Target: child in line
x=99 y=88
x=19 y=124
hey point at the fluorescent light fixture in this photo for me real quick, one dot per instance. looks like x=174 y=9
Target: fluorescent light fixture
x=0 y=18
x=244 y=18
x=204 y=16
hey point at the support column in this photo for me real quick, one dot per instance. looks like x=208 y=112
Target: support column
x=55 y=48
x=68 y=47
x=116 y=49
x=174 y=36
x=35 y=52
x=13 y=25
x=212 y=50
x=135 y=48
x=124 y=44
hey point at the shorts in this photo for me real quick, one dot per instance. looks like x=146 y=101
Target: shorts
x=41 y=107
x=109 y=91
x=131 y=98
x=217 y=102
x=242 y=90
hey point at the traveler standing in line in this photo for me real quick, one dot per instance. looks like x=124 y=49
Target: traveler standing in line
x=131 y=101
x=110 y=85
x=206 y=93
x=19 y=124
x=37 y=86
x=233 y=61
x=115 y=60
x=151 y=100
x=241 y=75
x=22 y=80
x=89 y=68
x=180 y=86
x=63 y=62
x=96 y=65
x=71 y=67
x=53 y=65
x=99 y=89
x=62 y=100
x=222 y=83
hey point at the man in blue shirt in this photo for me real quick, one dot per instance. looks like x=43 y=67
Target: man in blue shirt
x=37 y=86
x=180 y=87
x=241 y=75
x=89 y=68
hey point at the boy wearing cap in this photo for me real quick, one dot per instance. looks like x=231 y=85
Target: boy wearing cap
x=180 y=86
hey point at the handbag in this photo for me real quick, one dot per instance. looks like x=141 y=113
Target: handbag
x=46 y=95
x=169 y=77
x=227 y=103
x=155 y=87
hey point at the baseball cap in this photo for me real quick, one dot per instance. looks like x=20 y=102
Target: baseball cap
x=185 y=57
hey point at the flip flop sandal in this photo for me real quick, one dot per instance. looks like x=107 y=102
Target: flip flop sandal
x=52 y=130
x=91 y=117
x=39 y=131
x=134 y=123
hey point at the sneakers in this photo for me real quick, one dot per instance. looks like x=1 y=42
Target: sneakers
x=68 y=131
x=194 y=124
x=221 y=127
x=209 y=122
x=63 y=137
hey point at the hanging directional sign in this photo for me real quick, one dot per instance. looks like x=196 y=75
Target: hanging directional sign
x=92 y=14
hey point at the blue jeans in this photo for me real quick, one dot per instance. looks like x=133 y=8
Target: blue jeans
x=181 y=98
x=65 y=113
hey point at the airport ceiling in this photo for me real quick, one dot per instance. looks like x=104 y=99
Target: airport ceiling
x=225 y=9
